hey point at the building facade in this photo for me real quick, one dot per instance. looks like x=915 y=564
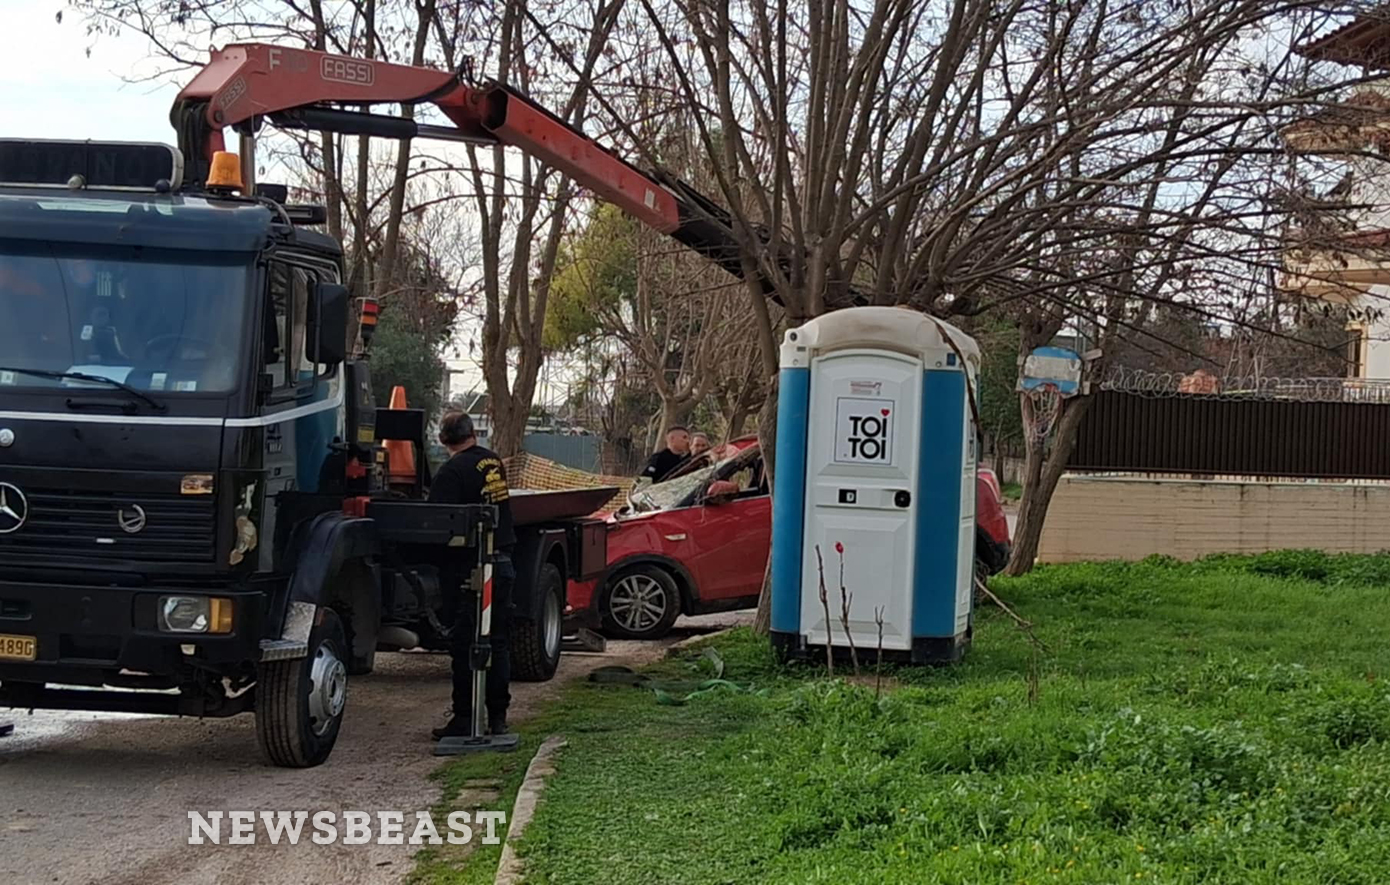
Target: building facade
x=1343 y=153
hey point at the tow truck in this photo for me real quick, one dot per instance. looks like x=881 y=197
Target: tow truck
x=203 y=512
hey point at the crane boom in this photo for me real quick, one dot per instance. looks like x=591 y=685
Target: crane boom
x=247 y=83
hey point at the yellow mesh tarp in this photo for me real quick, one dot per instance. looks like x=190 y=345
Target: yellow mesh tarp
x=528 y=471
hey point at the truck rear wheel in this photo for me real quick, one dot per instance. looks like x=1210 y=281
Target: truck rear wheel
x=536 y=641
x=300 y=702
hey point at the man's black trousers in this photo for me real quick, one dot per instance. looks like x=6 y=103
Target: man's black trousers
x=499 y=675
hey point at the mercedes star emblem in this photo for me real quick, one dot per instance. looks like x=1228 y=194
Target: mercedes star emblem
x=14 y=508
x=6 y=437
x=132 y=522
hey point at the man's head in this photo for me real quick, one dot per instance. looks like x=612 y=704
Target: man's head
x=678 y=440
x=456 y=431
x=699 y=443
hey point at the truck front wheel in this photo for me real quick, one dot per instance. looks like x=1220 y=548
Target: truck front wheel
x=536 y=641
x=300 y=702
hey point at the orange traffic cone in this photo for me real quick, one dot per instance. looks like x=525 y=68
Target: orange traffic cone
x=400 y=454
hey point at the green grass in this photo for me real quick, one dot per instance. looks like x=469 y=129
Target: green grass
x=1013 y=491
x=1219 y=722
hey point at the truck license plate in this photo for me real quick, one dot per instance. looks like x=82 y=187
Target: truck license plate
x=18 y=648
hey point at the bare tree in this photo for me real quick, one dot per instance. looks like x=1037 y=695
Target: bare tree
x=526 y=221
x=739 y=387
x=1060 y=162
x=371 y=195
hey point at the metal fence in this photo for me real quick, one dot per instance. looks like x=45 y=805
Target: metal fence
x=580 y=452
x=1210 y=436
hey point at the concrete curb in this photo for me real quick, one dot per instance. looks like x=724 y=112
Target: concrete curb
x=676 y=648
x=509 y=866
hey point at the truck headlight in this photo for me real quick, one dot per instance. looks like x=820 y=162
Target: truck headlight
x=195 y=614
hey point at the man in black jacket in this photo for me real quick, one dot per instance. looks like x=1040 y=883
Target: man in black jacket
x=660 y=465
x=475 y=475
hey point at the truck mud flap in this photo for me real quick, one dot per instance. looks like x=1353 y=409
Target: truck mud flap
x=294 y=638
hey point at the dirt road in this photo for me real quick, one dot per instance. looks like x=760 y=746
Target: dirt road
x=105 y=798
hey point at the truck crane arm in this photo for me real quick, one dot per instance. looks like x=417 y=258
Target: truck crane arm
x=246 y=84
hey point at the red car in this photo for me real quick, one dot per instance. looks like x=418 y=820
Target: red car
x=992 y=545
x=698 y=543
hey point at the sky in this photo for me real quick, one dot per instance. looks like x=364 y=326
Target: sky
x=50 y=88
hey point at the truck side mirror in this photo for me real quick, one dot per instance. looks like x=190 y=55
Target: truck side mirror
x=328 y=321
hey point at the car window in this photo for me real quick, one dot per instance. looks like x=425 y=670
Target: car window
x=669 y=494
x=748 y=475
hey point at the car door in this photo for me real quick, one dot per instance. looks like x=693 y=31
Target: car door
x=730 y=542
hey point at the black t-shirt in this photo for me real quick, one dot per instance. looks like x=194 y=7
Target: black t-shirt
x=476 y=476
x=662 y=463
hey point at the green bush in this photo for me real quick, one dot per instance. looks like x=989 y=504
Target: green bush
x=1349 y=719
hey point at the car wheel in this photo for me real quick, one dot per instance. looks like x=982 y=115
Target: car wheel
x=988 y=553
x=300 y=702
x=641 y=602
x=536 y=641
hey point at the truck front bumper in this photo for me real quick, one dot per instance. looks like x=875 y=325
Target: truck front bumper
x=89 y=635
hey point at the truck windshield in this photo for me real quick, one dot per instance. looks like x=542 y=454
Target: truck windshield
x=166 y=323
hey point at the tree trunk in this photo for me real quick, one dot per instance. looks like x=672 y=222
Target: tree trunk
x=767 y=445
x=394 y=214
x=672 y=413
x=360 y=277
x=1042 y=471
x=734 y=423
x=332 y=185
x=508 y=430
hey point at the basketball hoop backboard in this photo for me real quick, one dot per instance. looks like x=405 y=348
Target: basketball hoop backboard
x=1055 y=366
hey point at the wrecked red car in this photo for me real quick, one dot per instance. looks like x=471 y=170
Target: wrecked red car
x=698 y=543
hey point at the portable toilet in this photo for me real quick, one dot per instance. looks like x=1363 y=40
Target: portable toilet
x=875 y=466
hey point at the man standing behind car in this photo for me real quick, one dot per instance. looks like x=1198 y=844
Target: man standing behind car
x=475 y=475
x=660 y=465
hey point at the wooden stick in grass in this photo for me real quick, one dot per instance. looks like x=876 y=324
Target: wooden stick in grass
x=845 y=598
x=1024 y=625
x=825 y=604
x=878 y=665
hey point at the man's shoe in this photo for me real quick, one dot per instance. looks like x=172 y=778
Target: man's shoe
x=497 y=725
x=455 y=727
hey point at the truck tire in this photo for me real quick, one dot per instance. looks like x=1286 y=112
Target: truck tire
x=647 y=602
x=300 y=702
x=536 y=641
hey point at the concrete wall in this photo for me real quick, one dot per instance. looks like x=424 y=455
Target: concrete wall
x=1130 y=518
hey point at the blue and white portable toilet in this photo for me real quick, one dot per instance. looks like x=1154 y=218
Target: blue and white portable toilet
x=876 y=455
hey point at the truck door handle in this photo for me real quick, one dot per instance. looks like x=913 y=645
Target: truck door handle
x=902 y=498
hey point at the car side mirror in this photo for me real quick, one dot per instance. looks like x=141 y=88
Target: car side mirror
x=328 y=321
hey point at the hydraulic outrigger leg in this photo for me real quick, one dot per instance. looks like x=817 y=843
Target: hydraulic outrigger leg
x=479 y=660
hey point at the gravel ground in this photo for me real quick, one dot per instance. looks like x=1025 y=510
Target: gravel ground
x=105 y=797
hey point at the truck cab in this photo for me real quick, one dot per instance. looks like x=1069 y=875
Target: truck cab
x=191 y=495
